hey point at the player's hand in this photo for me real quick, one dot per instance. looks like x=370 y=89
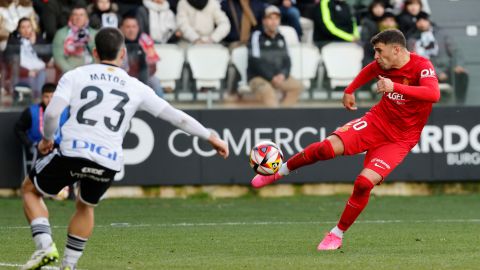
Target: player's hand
x=384 y=85
x=45 y=146
x=349 y=102
x=219 y=145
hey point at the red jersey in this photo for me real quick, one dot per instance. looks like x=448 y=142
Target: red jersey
x=403 y=113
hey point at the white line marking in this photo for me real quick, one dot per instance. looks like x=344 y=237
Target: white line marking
x=20 y=265
x=253 y=223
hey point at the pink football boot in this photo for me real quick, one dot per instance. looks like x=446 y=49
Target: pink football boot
x=262 y=180
x=330 y=242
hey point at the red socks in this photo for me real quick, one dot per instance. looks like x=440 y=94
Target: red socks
x=314 y=152
x=356 y=203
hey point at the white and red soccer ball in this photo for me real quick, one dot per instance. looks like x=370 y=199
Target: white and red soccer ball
x=266 y=158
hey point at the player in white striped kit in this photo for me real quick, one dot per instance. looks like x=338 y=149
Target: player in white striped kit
x=102 y=99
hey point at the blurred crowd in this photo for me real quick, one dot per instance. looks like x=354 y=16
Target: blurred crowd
x=42 y=39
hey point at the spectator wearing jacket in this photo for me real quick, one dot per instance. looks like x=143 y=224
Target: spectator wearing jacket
x=103 y=13
x=26 y=55
x=74 y=43
x=56 y=14
x=269 y=64
x=408 y=18
x=245 y=16
x=334 y=22
x=29 y=127
x=202 y=21
x=141 y=56
x=432 y=42
x=158 y=20
x=10 y=14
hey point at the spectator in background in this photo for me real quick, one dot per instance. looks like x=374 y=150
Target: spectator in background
x=334 y=22
x=202 y=21
x=385 y=22
x=158 y=20
x=269 y=64
x=432 y=42
x=29 y=127
x=26 y=55
x=141 y=56
x=370 y=22
x=73 y=44
x=56 y=14
x=290 y=14
x=407 y=19
x=244 y=16
x=103 y=13
x=10 y=13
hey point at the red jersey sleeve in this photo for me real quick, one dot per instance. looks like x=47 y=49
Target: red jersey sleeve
x=427 y=90
x=368 y=73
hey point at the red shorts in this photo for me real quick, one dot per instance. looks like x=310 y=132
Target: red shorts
x=382 y=154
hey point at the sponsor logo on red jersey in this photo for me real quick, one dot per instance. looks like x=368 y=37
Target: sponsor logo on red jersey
x=427 y=73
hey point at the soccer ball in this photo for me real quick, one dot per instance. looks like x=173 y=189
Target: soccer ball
x=266 y=158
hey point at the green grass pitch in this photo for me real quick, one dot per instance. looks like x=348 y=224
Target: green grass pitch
x=434 y=232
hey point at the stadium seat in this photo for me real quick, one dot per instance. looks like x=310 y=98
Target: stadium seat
x=209 y=63
x=343 y=61
x=170 y=66
x=289 y=34
x=307 y=28
x=239 y=59
x=305 y=59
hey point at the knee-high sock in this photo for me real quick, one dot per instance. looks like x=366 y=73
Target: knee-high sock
x=356 y=203
x=314 y=152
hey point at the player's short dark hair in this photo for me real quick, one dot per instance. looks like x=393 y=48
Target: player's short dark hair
x=391 y=36
x=49 y=88
x=108 y=43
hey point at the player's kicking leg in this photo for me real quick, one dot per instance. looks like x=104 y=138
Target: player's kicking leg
x=37 y=215
x=324 y=150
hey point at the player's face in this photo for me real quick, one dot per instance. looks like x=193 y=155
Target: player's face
x=46 y=97
x=385 y=55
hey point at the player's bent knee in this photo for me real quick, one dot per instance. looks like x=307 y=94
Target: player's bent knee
x=372 y=175
x=28 y=186
x=337 y=144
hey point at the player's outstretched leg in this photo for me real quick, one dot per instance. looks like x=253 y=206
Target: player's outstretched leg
x=355 y=204
x=79 y=230
x=324 y=150
x=37 y=214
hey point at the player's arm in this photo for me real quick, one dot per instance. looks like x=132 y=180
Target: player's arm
x=50 y=123
x=365 y=75
x=163 y=110
x=427 y=90
x=54 y=111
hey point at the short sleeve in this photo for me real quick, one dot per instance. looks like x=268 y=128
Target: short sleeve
x=151 y=102
x=65 y=86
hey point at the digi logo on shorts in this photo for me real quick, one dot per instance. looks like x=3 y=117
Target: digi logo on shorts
x=96 y=149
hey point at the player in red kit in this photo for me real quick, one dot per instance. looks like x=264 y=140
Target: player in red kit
x=387 y=132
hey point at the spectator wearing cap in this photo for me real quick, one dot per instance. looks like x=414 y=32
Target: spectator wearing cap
x=432 y=42
x=202 y=21
x=334 y=22
x=269 y=64
x=73 y=44
x=289 y=12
